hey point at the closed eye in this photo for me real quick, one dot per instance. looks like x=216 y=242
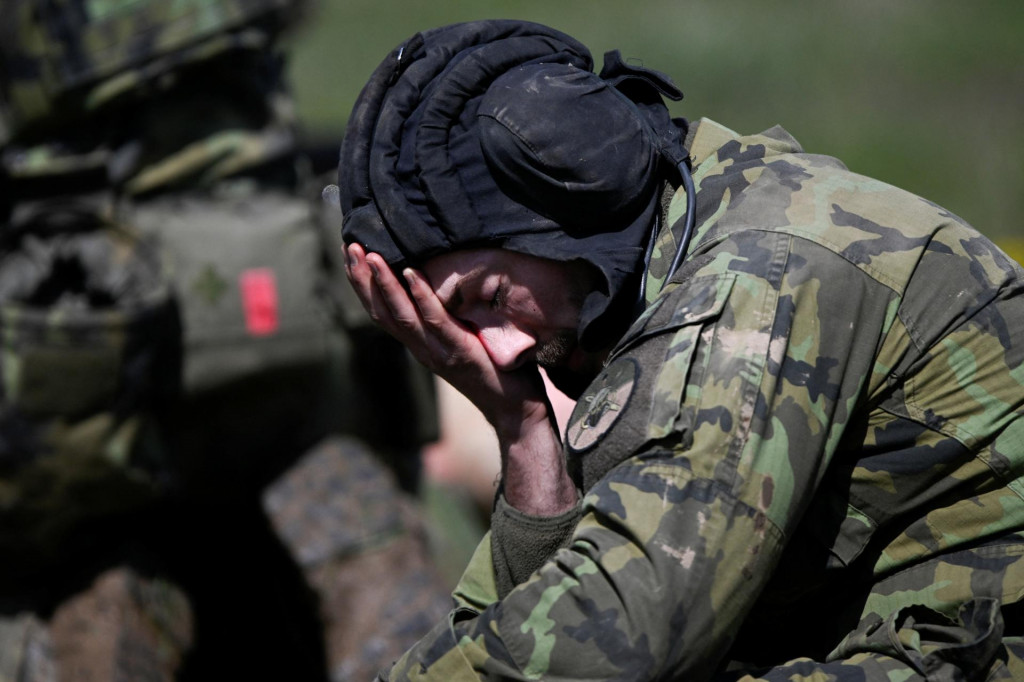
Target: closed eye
x=500 y=294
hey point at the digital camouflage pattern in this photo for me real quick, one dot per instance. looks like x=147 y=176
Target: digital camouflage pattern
x=125 y=626
x=340 y=514
x=816 y=474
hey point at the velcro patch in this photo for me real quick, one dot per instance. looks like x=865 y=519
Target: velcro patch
x=259 y=300
x=601 y=405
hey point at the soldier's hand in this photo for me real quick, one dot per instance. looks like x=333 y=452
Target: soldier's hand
x=418 y=319
x=514 y=401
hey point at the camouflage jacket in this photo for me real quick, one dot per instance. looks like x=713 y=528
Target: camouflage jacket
x=815 y=424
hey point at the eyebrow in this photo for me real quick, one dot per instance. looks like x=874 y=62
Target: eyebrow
x=454 y=301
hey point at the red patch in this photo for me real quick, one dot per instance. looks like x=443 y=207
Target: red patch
x=259 y=300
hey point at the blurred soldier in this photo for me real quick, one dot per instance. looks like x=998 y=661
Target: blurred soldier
x=199 y=469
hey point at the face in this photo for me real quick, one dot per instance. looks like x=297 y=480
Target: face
x=522 y=308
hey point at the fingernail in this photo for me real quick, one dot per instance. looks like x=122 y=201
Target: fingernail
x=409 y=275
x=350 y=257
x=373 y=268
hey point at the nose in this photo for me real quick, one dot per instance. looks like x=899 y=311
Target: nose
x=508 y=346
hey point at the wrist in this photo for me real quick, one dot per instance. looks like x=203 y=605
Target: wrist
x=532 y=421
x=535 y=479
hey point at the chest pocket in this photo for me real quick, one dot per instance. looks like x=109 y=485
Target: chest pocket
x=705 y=299
x=639 y=396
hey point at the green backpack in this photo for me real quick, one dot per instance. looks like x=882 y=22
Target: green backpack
x=277 y=350
x=246 y=268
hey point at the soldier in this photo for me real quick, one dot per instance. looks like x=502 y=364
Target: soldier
x=199 y=472
x=798 y=448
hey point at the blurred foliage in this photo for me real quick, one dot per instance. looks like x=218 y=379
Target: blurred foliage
x=925 y=94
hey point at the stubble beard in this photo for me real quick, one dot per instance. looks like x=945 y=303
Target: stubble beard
x=553 y=354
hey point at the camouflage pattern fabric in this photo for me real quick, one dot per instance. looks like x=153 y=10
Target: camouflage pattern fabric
x=123 y=626
x=278 y=354
x=336 y=501
x=26 y=650
x=341 y=515
x=63 y=57
x=88 y=352
x=803 y=461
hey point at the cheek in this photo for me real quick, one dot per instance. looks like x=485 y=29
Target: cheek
x=532 y=307
x=561 y=309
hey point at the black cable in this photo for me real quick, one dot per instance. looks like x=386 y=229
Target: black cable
x=684 y=242
x=691 y=219
x=642 y=298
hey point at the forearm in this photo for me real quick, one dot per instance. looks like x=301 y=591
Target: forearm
x=537 y=509
x=535 y=479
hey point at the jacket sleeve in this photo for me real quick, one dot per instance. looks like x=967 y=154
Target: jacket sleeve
x=699 y=447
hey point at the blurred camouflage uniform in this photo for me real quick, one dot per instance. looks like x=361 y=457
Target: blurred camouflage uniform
x=188 y=386
x=804 y=460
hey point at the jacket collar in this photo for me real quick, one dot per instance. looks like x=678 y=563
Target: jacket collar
x=704 y=142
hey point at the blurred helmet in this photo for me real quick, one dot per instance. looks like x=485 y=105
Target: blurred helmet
x=59 y=58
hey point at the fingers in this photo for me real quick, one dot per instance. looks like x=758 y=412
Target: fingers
x=415 y=317
x=442 y=343
x=456 y=338
x=434 y=314
x=403 y=312
x=377 y=284
x=361 y=275
x=380 y=292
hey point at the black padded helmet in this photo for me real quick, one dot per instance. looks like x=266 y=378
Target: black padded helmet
x=498 y=134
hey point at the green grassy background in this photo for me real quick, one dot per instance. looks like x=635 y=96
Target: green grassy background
x=926 y=94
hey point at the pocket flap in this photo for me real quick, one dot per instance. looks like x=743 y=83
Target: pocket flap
x=696 y=300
